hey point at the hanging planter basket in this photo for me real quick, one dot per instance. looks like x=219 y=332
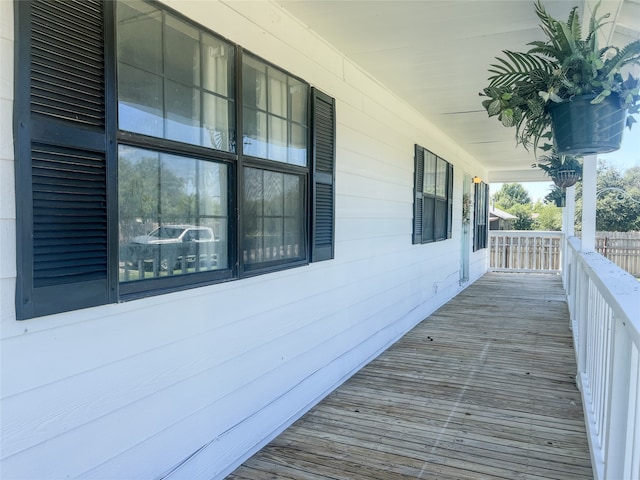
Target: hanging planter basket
x=565 y=178
x=582 y=128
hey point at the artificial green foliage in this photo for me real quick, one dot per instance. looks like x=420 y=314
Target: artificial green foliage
x=523 y=84
x=553 y=163
x=556 y=196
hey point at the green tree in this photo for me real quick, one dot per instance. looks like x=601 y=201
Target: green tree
x=618 y=194
x=549 y=217
x=511 y=194
x=523 y=212
x=150 y=196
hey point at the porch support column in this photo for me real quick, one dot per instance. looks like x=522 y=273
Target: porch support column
x=589 y=171
x=569 y=213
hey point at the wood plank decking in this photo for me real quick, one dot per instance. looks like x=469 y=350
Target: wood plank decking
x=483 y=388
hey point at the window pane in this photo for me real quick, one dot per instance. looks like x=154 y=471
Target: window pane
x=216 y=58
x=217 y=128
x=298 y=145
x=254 y=83
x=273 y=194
x=139 y=101
x=428 y=219
x=140 y=36
x=441 y=178
x=273 y=221
x=429 y=173
x=255 y=133
x=299 y=93
x=182 y=52
x=182 y=110
x=277 y=93
x=173 y=214
x=277 y=139
x=440 y=223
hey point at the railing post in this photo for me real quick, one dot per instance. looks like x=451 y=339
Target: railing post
x=569 y=217
x=589 y=203
x=582 y=322
x=618 y=405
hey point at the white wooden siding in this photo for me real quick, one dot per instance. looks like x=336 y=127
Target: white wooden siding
x=131 y=390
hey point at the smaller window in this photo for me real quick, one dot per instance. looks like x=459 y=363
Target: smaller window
x=433 y=194
x=481 y=216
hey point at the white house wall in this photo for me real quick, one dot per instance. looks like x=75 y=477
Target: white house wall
x=207 y=376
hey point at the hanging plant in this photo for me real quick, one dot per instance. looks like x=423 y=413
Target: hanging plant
x=564 y=170
x=557 y=196
x=566 y=80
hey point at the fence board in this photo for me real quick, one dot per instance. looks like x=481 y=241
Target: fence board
x=622 y=248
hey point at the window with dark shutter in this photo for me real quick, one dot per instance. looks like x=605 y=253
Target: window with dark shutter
x=418 y=205
x=481 y=216
x=433 y=197
x=60 y=124
x=115 y=183
x=324 y=158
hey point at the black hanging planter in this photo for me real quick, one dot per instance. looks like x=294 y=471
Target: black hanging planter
x=582 y=128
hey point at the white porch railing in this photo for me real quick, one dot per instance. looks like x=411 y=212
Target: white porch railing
x=524 y=251
x=604 y=306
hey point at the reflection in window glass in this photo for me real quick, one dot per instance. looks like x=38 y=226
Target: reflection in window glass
x=441 y=178
x=182 y=105
x=274 y=217
x=140 y=101
x=174 y=81
x=173 y=214
x=271 y=95
x=429 y=173
x=182 y=52
x=255 y=133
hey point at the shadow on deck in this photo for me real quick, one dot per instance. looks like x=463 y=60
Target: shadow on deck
x=483 y=388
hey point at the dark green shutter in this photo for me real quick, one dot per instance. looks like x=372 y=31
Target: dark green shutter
x=61 y=150
x=418 y=201
x=324 y=163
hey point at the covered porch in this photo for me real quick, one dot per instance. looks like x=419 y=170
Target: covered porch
x=483 y=388
x=523 y=374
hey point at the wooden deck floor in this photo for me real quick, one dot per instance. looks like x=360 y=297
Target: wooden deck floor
x=483 y=388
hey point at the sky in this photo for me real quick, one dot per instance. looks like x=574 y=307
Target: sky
x=628 y=156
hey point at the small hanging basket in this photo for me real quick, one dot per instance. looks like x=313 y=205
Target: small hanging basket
x=565 y=178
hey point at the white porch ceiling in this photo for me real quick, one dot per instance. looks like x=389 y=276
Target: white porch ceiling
x=434 y=54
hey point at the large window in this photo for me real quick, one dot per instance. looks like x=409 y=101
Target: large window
x=433 y=194
x=130 y=175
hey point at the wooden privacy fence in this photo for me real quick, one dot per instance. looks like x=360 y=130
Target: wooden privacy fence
x=622 y=248
x=524 y=251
